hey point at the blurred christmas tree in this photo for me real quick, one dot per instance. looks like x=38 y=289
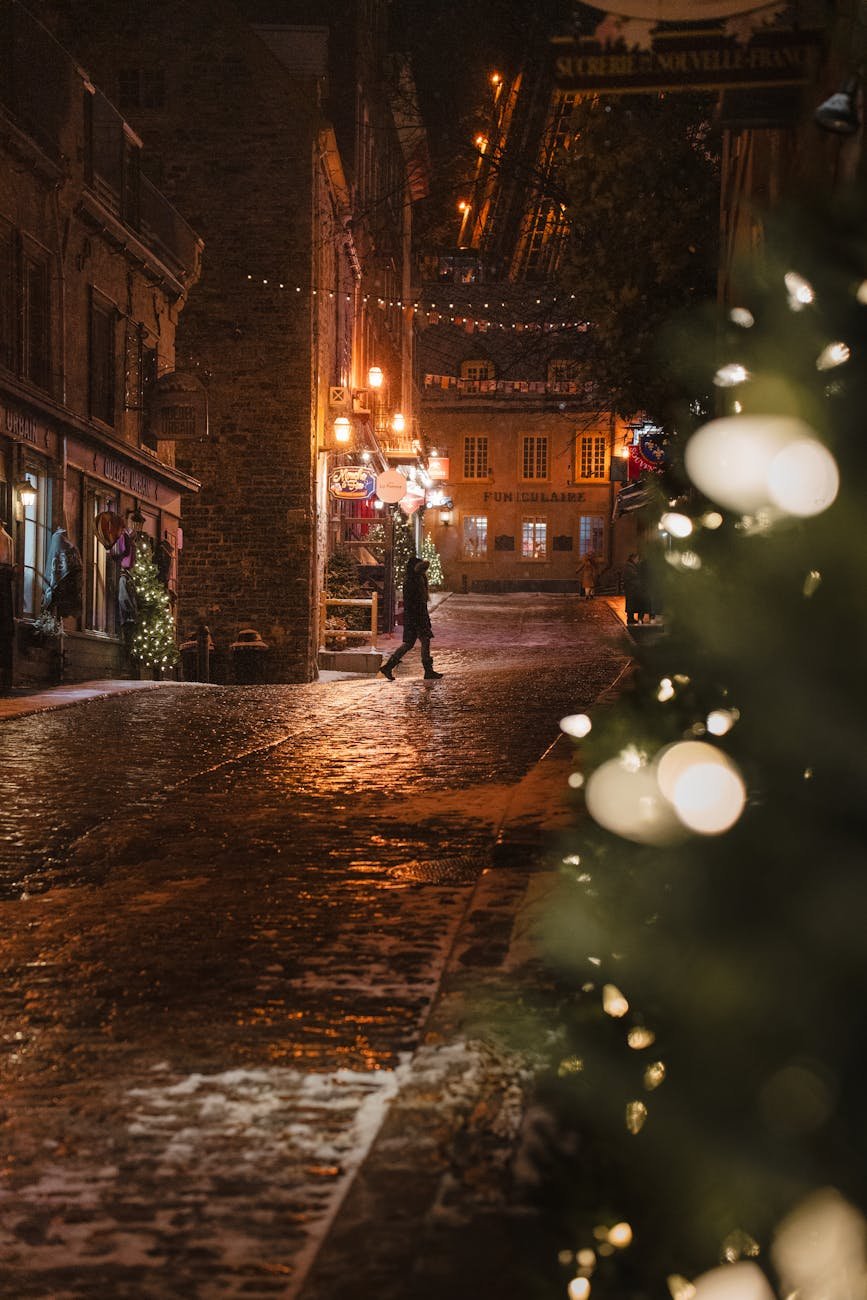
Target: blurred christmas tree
x=429 y=552
x=707 y=936
x=153 y=643
x=404 y=546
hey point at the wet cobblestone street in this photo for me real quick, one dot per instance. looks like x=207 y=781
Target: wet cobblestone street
x=225 y=914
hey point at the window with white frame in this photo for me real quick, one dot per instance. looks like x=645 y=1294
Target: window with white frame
x=476 y=456
x=591 y=534
x=591 y=455
x=534 y=462
x=475 y=537
x=477 y=368
x=534 y=538
x=37 y=533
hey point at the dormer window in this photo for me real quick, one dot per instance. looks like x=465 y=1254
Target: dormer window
x=562 y=371
x=477 y=369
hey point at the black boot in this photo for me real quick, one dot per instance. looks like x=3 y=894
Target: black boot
x=386 y=668
x=430 y=675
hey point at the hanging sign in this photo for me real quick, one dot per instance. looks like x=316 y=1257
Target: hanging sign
x=351 y=483
x=391 y=486
x=413 y=499
x=647 y=456
x=438 y=468
x=178 y=407
x=681 y=10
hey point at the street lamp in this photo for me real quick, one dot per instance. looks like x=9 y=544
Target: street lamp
x=839 y=113
x=398 y=423
x=375 y=377
x=342 y=429
x=446 y=516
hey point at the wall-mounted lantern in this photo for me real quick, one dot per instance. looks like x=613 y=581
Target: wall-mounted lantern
x=375 y=377
x=27 y=492
x=342 y=429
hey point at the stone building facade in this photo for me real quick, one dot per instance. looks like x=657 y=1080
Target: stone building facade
x=278 y=142
x=529 y=462
x=95 y=268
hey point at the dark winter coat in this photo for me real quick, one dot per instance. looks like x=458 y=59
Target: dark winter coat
x=416 y=619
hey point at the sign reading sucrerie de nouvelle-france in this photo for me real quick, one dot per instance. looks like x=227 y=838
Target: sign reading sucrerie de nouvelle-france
x=687 y=61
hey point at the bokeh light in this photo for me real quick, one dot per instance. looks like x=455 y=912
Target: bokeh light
x=730 y=459
x=576 y=724
x=803 y=478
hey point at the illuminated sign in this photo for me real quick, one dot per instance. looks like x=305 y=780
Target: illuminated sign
x=438 y=467
x=351 y=483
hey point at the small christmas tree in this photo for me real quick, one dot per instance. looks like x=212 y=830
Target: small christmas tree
x=404 y=546
x=429 y=552
x=153 y=643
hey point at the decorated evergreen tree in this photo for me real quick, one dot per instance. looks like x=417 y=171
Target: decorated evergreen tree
x=429 y=552
x=707 y=936
x=153 y=642
x=404 y=546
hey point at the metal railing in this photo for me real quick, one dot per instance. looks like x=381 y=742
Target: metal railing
x=327 y=601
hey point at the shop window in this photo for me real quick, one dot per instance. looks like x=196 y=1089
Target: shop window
x=534 y=464
x=476 y=457
x=101 y=361
x=591 y=535
x=102 y=570
x=591 y=456
x=475 y=537
x=534 y=538
x=36 y=536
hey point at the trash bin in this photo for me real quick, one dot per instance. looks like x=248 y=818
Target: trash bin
x=249 y=654
x=190 y=656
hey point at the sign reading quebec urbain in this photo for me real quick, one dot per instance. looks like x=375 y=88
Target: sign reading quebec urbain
x=687 y=60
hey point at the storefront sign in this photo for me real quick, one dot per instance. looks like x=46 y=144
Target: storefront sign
x=681 y=10
x=25 y=427
x=687 y=61
x=130 y=477
x=438 y=468
x=352 y=483
x=556 y=497
x=391 y=486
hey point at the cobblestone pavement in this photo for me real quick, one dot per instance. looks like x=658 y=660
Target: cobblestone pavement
x=225 y=914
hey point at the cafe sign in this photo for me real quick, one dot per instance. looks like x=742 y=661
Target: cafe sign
x=352 y=483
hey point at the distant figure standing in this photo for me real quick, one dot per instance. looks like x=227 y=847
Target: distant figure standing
x=588 y=570
x=648 y=597
x=416 y=620
x=632 y=588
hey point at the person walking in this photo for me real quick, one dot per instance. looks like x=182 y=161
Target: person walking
x=416 y=620
x=588 y=570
